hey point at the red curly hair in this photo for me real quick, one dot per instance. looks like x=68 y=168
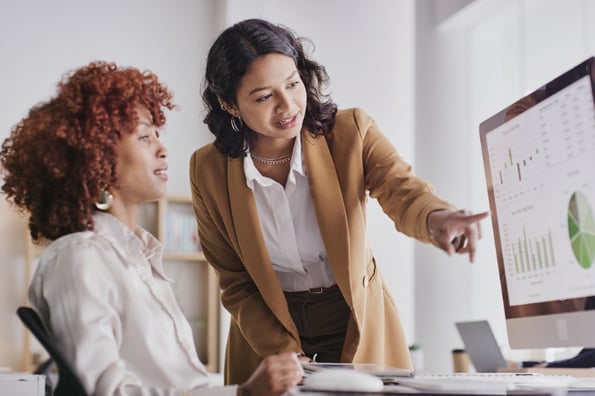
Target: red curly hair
x=59 y=158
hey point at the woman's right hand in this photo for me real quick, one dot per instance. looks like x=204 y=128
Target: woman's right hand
x=275 y=375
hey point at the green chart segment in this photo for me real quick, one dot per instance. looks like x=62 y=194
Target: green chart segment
x=581 y=229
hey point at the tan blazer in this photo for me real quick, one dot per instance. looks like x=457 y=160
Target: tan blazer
x=353 y=160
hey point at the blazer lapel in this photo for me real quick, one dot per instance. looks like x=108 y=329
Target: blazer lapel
x=329 y=207
x=251 y=243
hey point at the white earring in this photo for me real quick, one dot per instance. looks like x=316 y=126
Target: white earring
x=105 y=200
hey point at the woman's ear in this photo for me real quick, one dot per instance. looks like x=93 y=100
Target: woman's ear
x=232 y=110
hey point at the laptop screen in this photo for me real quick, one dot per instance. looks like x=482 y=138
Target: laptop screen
x=481 y=346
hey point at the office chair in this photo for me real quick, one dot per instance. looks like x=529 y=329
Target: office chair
x=68 y=382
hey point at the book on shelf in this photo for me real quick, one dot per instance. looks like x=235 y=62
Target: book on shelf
x=181 y=235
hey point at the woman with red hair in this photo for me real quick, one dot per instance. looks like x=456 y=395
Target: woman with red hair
x=80 y=165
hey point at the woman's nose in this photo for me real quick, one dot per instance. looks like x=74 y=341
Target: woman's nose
x=162 y=153
x=284 y=103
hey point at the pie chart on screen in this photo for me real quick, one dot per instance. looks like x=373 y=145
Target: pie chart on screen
x=581 y=229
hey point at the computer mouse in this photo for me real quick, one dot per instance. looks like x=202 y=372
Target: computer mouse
x=343 y=380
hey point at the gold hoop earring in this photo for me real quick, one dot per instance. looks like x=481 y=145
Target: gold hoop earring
x=105 y=200
x=234 y=124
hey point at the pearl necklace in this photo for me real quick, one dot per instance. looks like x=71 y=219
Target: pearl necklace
x=271 y=161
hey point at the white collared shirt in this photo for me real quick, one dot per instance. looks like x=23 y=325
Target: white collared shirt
x=104 y=296
x=289 y=225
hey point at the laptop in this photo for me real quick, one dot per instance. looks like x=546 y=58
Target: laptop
x=481 y=346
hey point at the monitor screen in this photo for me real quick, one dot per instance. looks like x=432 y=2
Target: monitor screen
x=539 y=160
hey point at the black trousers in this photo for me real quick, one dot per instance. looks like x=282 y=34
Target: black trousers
x=321 y=318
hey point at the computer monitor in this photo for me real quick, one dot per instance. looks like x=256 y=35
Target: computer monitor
x=539 y=160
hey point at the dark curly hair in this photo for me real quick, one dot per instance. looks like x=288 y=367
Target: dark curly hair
x=228 y=60
x=58 y=159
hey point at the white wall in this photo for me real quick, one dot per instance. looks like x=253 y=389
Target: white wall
x=443 y=285
x=471 y=65
x=40 y=40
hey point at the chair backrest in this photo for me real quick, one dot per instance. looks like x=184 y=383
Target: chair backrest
x=68 y=382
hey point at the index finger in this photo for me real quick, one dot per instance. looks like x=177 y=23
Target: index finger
x=476 y=217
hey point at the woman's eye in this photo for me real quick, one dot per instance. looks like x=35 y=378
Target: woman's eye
x=263 y=98
x=144 y=138
x=294 y=84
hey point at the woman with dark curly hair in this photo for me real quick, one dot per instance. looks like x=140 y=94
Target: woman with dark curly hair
x=280 y=200
x=81 y=165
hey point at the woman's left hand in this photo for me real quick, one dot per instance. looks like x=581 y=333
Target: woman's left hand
x=456 y=231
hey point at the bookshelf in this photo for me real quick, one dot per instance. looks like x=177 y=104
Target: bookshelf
x=172 y=221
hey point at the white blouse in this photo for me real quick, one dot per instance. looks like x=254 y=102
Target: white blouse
x=289 y=225
x=104 y=296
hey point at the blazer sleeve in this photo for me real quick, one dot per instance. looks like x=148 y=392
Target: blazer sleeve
x=404 y=197
x=239 y=293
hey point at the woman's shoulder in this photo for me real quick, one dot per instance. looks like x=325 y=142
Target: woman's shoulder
x=205 y=151
x=355 y=120
x=77 y=256
x=354 y=117
x=205 y=157
x=353 y=113
x=73 y=241
x=78 y=245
